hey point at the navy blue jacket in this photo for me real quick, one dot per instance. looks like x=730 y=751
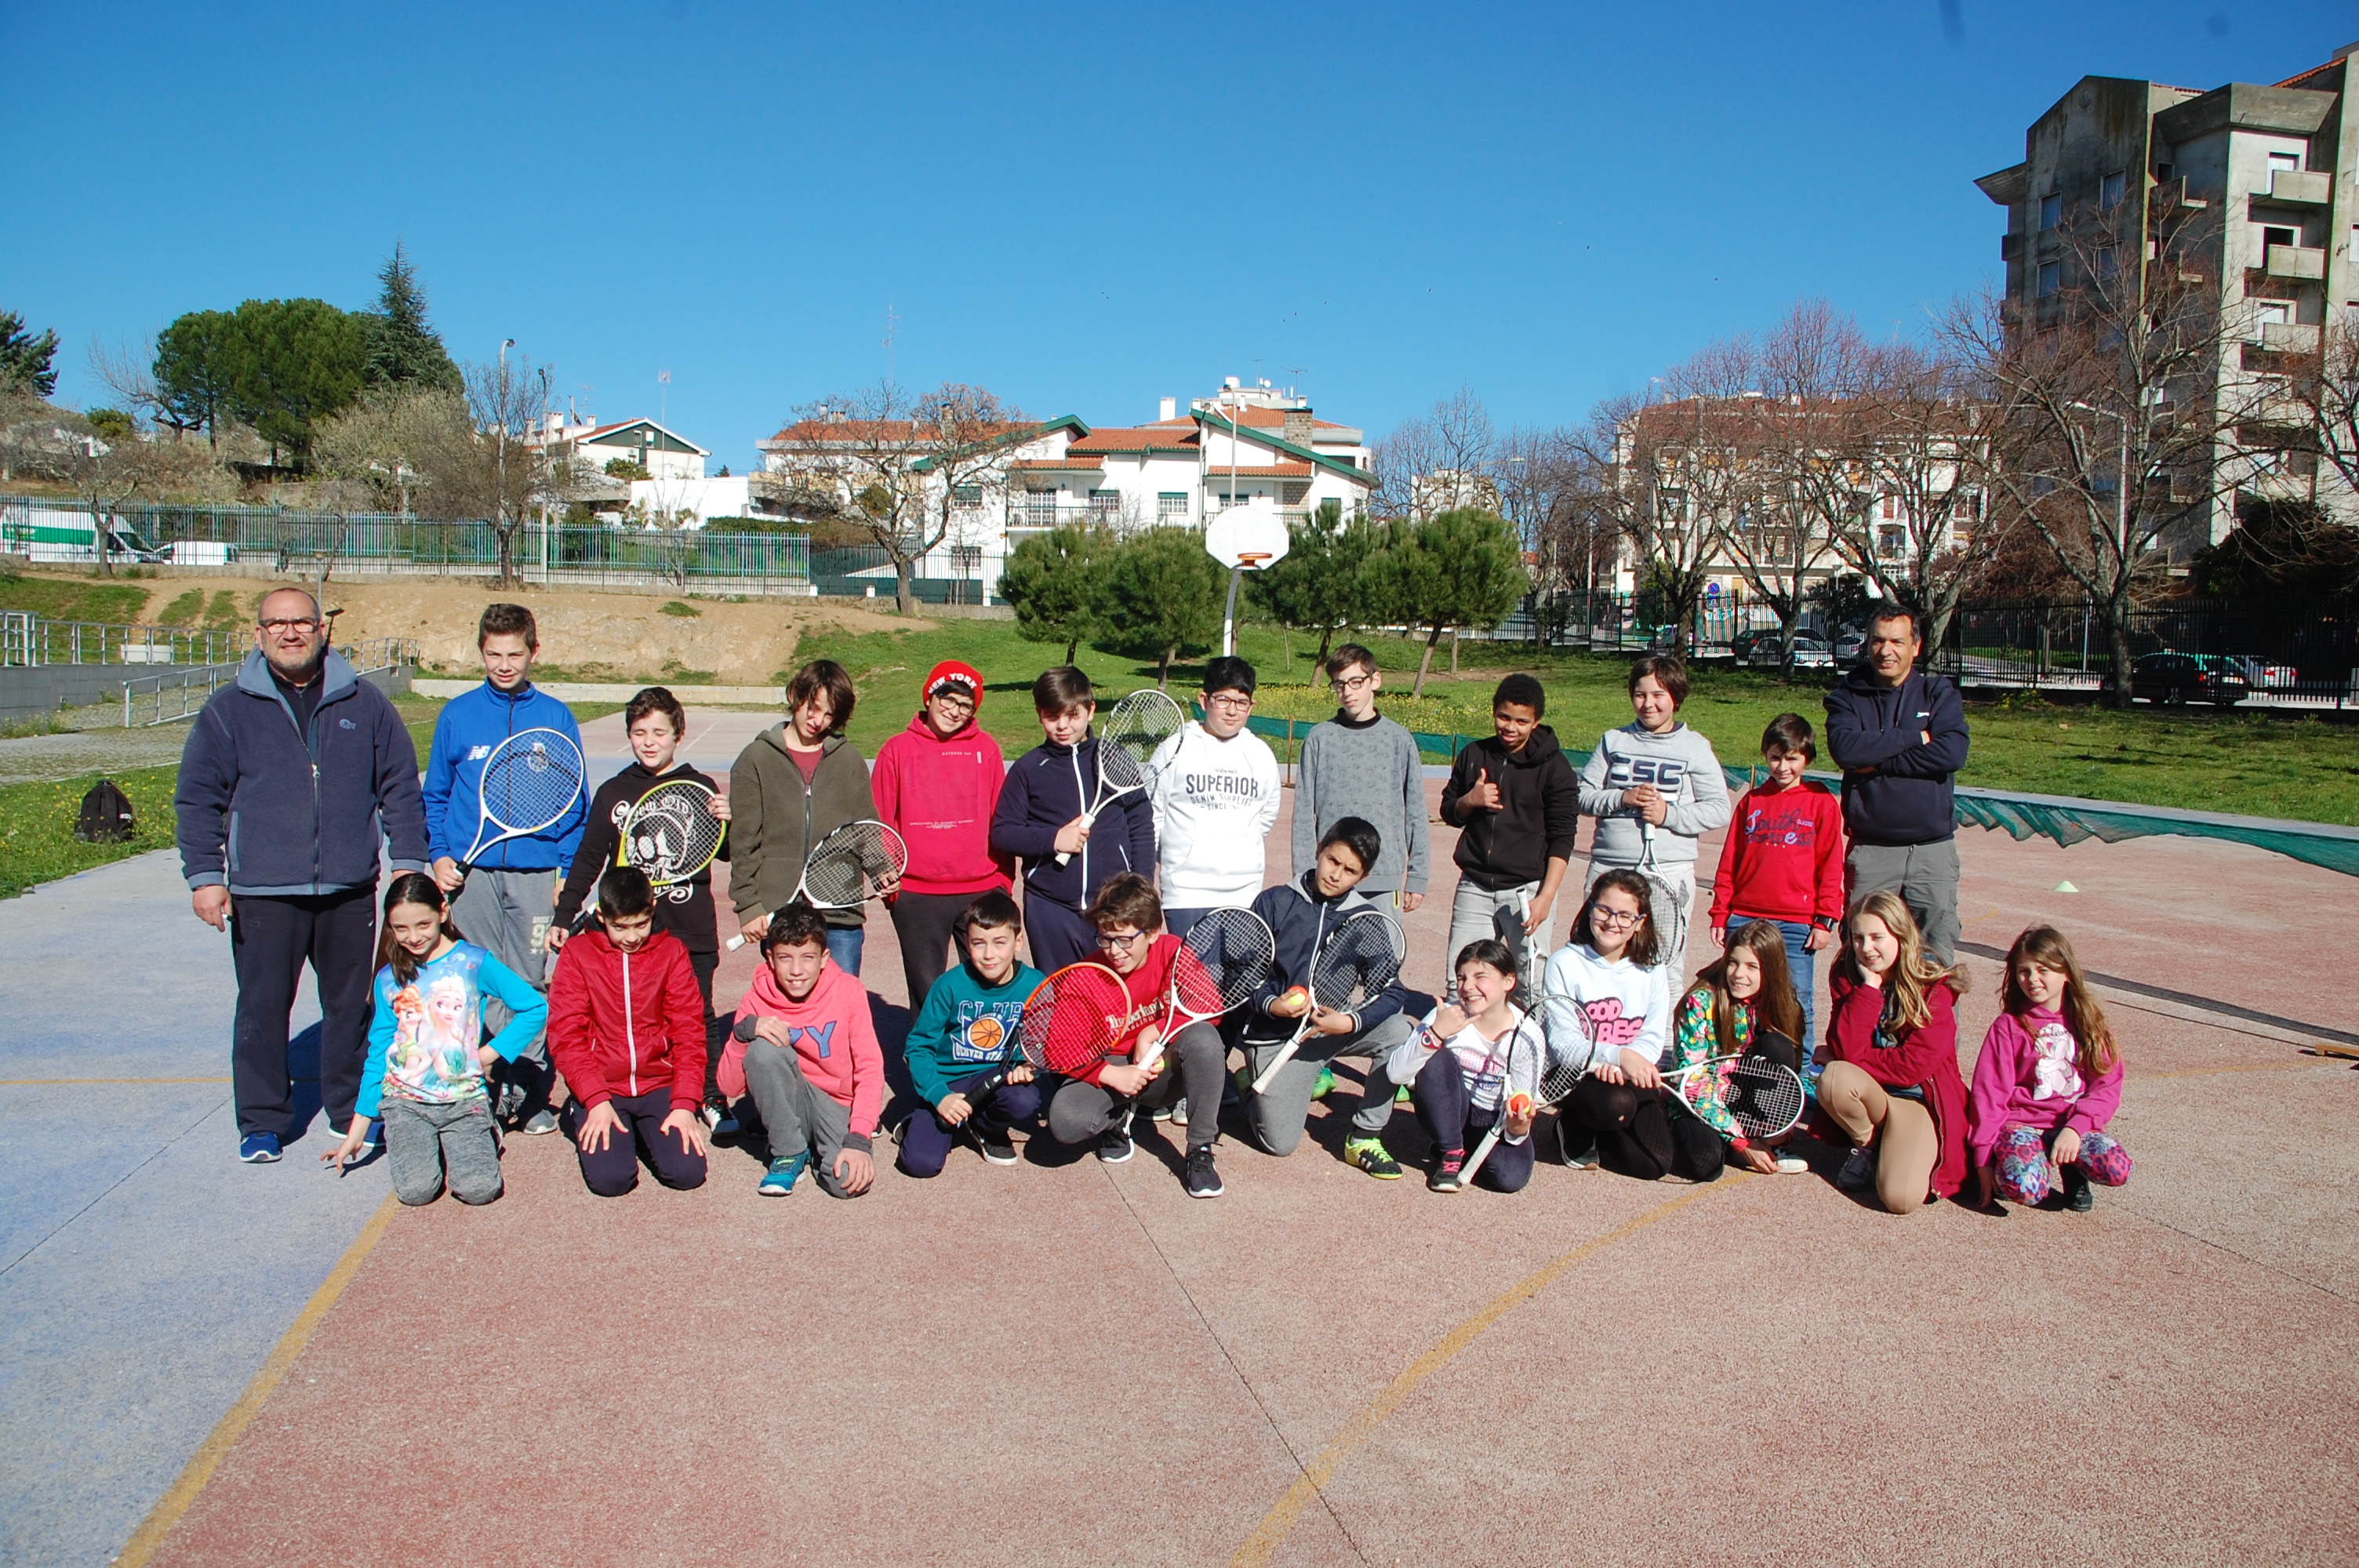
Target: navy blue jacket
x=1048 y=787
x=1298 y=917
x=1909 y=797
x=275 y=811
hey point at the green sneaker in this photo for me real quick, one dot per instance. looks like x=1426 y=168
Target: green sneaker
x=1371 y=1155
x=1324 y=1084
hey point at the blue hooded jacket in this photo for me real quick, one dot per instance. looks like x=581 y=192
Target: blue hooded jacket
x=472 y=724
x=270 y=810
x=1896 y=788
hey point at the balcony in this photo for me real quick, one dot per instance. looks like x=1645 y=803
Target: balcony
x=2287 y=338
x=2299 y=263
x=2010 y=246
x=2301 y=188
x=2170 y=197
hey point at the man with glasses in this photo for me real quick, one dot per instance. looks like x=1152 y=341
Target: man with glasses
x=1359 y=763
x=1214 y=790
x=292 y=778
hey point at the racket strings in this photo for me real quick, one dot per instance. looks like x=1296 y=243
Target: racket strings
x=1225 y=958
x=529 y=787
x=1762 y=1097
x=1073 y=1020
x=1359 y=958
x=672 y=834
x=855 y=862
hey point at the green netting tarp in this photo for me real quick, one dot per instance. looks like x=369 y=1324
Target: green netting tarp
x=2063 y=818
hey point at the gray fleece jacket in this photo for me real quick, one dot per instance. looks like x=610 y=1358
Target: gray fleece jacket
x=1372 y=772
x=1679 y=764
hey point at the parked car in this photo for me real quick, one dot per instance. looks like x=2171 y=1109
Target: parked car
x=1763 y=650
x=1849 y=646
x=2258 y=676
x=2174 y=678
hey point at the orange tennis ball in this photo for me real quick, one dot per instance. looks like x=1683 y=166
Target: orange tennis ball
x=1519 y=1105
x=1297 y=997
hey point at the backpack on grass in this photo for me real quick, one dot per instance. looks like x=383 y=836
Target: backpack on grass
x=106 y=816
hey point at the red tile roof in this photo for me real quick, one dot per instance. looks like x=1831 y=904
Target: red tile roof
x=1263 y=418
x=1172 y=438
x=819 y=431
x=1215 y=472
x=1084 y=464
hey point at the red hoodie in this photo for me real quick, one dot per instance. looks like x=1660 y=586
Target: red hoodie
x=835 y=1042
x=1783 y=858
x=627 y=1023
x=1924 y=1059
x=939 y=795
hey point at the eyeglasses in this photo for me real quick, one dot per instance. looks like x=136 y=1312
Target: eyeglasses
x=1119 y=942
x=1351 y=683
x=1614 y=919
x=303 y=624
x=1229 y=699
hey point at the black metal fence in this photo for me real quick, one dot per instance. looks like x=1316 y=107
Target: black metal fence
x=2296 y=654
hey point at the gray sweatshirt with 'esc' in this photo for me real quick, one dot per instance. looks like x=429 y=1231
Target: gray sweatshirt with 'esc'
x=1680 y=763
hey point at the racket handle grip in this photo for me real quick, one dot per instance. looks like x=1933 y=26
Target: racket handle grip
x=736 y=942
x=1285 y=1055
x=1064 y=859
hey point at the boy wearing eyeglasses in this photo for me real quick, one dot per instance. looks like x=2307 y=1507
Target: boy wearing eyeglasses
x=1214 y=790
x=1359 y=763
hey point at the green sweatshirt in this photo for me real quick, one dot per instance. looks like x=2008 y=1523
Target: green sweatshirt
x=965 y=1028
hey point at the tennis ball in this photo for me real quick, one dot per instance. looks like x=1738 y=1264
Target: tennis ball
x=1297 y=997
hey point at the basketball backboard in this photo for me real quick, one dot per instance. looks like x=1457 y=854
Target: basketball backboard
x=1245 y=531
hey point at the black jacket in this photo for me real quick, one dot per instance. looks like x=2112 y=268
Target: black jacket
x=1048 y=787
x=1539 y=818
x=684 y=909
x=1897 y=789
x=1299 y=920
x=276 y=810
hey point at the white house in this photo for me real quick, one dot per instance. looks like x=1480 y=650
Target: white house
x=662 y=452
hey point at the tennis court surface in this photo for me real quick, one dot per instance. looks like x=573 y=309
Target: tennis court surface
x=1066 y=1362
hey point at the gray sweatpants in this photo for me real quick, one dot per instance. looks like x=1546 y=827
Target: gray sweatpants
x=1474 y=917
x=1925 y=876
x=427 y=1145
x=797 y=1114
x=1193 y=1063
x=1278 y=1113
x=509 y=912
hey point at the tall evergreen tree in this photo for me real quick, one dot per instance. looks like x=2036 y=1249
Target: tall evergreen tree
x=196 y=363
x=25 y=361
x=403 y=348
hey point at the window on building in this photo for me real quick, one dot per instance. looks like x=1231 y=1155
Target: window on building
x=1171 y=506
x=2162 y=173
x=2289 y=162
x=2051 y=278
x=1891 y=507
x=2105 y=263
x=2111 y=189
x=966 y=494
x=1105 y=500
x=2279 y=311
x=2052 y=211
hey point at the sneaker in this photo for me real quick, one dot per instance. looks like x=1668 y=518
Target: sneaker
x=994 y=1147
x=2080 y=1196
x=1858 y=1172
x=1324 y=1085
x=711 y=1116
x=724 y=1121
x=542 y=1121
x=1170 y=1112
x=1371 y=1155
x=509 y=1104
x=1203 y=1180
x=1581 y=1156
x=780 y=1180
x=1791 y=1165
x=1446 y=1177
x=1113 y=1144
x=258 y=1148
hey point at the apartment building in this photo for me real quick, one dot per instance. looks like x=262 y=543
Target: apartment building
x=2261 y=178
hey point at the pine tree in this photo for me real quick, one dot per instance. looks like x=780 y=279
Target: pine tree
x=403 y=348
x=1050 y=580
x=1159 y=595
x=25 y=362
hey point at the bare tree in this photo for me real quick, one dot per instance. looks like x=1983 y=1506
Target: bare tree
x=1438 y=460
x=126 y=375
x=473 y=460
x=107 y=474
x=895 y=466
x=2118 y=424
x=2320 y=395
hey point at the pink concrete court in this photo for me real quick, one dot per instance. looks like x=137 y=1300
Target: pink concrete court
x=1064 y=1362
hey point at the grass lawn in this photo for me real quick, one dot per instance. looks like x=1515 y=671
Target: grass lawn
x=37 y=841
x=75 y=598
x=2254 y=764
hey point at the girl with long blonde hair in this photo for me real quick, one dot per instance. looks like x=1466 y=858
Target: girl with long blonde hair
x=1891 y=1082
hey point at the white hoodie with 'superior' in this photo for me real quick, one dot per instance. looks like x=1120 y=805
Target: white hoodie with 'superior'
x=1215 y=802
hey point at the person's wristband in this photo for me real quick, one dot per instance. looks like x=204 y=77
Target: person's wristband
x=1740 y=1143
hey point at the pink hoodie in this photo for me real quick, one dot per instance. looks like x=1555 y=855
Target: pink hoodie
x=2028 y=1076
x=835 y=1044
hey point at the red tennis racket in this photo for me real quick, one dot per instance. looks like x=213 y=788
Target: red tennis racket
x=1075 y=1021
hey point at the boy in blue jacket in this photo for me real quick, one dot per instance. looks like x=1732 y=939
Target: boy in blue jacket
x=505 y=898
x=1300 y=914
x=1040 y=817
x=964 y=1039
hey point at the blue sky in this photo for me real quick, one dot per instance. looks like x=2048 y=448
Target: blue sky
x=1083 y=208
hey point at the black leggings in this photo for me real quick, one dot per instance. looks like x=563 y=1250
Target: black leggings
x=1638 y=1133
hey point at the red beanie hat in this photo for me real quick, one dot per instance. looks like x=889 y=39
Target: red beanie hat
x=953 y=672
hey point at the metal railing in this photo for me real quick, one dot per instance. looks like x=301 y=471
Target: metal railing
x=167 y=698
x=27 y=638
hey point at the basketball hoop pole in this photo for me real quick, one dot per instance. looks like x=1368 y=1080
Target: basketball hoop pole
x=1229 y=616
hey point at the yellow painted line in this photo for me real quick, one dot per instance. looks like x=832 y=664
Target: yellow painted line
x=199 y=1469
x=1274 y=1525
x=35 y=1083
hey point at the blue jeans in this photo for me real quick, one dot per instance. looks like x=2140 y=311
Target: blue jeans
x=843 y=946
x=1800 y=963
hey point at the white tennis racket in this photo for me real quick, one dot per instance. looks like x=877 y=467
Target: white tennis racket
x=1134 y=728
x=1665 y=907
x=1359 y=957
x=1222 y=962
x=1558 y=1078
x=858 y=862
x=528 y=782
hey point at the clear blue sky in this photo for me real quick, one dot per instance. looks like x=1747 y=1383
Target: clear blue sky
x=1083 y=208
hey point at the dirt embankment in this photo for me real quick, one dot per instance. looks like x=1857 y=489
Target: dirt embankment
x=587 y=633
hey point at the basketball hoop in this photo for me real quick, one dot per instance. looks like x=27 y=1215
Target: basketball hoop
x=1247 y=561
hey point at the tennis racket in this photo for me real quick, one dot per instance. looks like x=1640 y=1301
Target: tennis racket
x=1134 y=728
x=1224 y=958
x=1762 y=1096
x=858 y=862
x=528 y=782
x=671 y=833
x=1558 y=1078
x=1664 y=906
x=1358 y=957
x=1074 y=1020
